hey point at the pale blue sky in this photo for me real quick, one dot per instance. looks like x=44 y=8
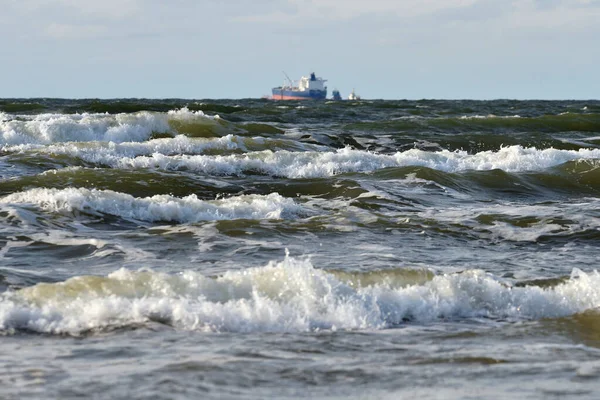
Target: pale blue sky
x=392 y=49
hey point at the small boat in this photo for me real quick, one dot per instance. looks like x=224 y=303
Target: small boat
x=353 y=96
x=336 y=95
x=308 y=88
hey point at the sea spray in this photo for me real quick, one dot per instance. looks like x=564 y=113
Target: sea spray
x=285 y=296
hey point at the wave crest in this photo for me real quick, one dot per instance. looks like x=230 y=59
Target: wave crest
x=156 y=208
x=286 y=296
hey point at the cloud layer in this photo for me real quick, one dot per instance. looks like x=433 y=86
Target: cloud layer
x=389 y=48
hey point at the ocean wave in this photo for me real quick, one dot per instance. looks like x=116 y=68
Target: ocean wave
x=56 y=128
x=566 y=122
x=177 y=145
x=111 y=106
x=156 y=208
x=286 y=296
x=520 y=222
x=316 y=164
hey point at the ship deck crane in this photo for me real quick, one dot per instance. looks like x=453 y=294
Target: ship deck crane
x=288 y=78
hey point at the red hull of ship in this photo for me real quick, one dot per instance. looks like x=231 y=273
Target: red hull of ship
x=282 y=97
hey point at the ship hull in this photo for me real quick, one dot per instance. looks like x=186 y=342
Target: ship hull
x=286 y=94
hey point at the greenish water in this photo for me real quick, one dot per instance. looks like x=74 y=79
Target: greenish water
x=257 y=249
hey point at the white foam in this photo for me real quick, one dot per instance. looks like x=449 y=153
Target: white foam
x=489 y=116
x=111 y=152
x=187 y=115
x=167 y=154
x=88 y=127
x=289 y=296
x=156 y=208
x=324 y=164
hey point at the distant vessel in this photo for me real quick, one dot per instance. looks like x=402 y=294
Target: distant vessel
x=353 y=96
x=308 y=88
x=336 y=95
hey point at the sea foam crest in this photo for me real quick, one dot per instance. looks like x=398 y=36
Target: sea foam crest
x=182 y=152
x=184 y=113
x=112 y=152
x=312 y=164
x=286 y=296
x=89 y=127
x=156 y=208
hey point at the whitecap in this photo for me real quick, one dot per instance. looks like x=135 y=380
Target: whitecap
x=156 y=208
x=286 y=296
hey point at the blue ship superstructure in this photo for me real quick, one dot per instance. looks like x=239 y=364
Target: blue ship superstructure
x=308 y=88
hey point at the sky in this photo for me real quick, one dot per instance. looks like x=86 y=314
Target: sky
x=384 y=49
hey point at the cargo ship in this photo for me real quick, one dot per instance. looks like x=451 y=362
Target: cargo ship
x=308 y=88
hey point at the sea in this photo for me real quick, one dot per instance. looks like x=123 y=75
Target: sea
x=255 y=249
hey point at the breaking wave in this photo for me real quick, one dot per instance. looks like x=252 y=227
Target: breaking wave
x=137 y=127
x=286 y=296
x=317 y=164
x=49 y=128
x=180 y=144
x=156 y=208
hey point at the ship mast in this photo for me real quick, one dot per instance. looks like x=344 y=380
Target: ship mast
x=288 y=78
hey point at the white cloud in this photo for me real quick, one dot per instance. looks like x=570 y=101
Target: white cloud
x=439 y=43
x=571 y=14
x=111 y=9
x=71 y=31
x=355 y=8
x=303 y=11
x=542 y=14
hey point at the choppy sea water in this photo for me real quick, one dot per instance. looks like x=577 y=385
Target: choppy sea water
x=256 y=249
